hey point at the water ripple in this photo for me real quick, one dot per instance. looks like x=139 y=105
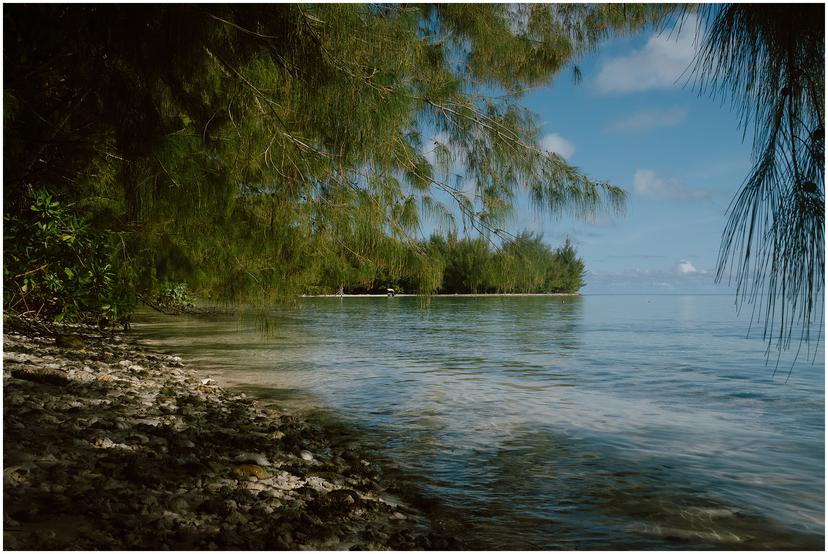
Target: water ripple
x=595 y=422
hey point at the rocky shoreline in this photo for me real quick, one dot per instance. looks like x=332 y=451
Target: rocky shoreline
x=108 y=445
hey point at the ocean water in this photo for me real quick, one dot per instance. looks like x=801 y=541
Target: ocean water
x=592 y=422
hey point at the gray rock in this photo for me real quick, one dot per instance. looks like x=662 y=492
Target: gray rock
x=252 y=457
x=41 y=375
x=179 y=504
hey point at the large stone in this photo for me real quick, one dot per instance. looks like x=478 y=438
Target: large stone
x=250 y=470
x=253 y=457
x=40 y=375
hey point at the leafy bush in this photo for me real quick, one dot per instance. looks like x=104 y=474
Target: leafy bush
x=56 y=266
x=174 y=297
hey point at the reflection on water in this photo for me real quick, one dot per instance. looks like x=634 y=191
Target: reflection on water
x=582 y=422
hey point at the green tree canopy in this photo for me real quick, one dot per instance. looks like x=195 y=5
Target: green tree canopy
x=246 y=148
x=249 y=149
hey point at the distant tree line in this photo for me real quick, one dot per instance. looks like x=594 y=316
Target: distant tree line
x=523 y=264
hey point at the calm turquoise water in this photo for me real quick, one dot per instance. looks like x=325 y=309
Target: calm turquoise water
x=622 y=422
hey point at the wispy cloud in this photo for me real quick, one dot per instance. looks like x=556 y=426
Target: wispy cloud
x=659 y=64
x=640 y=280
x=646 y=120
x=650 y=280
x=599 y=220
x=553 y=142
x=637 y=257
x=648 y=184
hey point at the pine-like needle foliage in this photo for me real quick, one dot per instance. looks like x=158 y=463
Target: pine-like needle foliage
x=770 y=60
x=251 y=149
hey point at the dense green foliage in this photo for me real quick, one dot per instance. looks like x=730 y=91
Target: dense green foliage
x=55 y=265
x=523 y=264
x=173 y=298
x=254 y=151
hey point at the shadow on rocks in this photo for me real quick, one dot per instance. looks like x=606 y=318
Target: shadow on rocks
x=131 y=451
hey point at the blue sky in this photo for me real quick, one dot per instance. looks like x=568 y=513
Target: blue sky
x=634 y=121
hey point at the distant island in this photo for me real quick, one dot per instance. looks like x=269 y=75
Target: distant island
x=458 y=295
x=523 y=264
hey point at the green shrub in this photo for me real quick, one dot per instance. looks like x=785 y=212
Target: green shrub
x=56 y=266
x=174 y=297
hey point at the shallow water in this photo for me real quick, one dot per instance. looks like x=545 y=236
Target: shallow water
x=622 y=422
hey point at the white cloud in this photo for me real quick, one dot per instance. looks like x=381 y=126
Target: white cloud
x=639 y=280
x=553 y=142
x=659 y=64
x=648 y=184
x=646 y=120
x=685 y=267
